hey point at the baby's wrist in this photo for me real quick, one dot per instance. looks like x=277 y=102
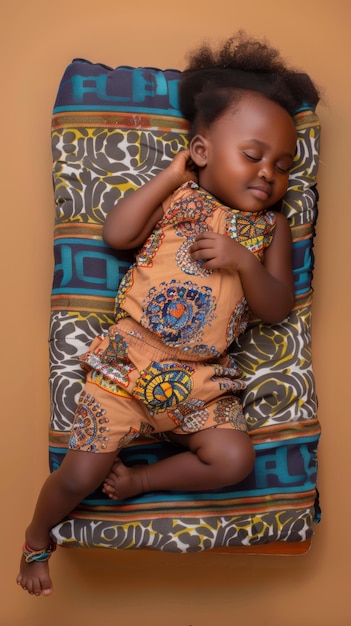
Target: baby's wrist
x=174 y=179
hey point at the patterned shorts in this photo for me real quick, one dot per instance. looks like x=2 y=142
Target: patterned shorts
x=136 y=385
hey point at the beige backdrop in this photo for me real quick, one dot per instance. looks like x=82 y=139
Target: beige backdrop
x=144 y=588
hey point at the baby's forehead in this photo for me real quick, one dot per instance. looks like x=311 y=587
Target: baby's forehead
x=258 y=118
x=253 y=105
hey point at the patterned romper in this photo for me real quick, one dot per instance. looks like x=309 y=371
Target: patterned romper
x=164 y=365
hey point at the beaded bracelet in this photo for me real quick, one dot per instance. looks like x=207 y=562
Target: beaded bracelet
x=31 y=555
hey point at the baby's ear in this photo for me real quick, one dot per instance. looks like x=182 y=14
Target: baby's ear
x=198 y=150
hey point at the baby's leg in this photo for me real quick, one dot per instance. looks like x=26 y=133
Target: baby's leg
x=79 y=474
x=215 y=458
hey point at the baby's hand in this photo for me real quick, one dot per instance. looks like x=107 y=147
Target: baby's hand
x=216 y=251
x=183 y=168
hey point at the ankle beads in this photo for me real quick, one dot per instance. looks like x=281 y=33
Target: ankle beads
x=31 y=555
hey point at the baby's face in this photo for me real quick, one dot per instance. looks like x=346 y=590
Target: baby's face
x=248 y=153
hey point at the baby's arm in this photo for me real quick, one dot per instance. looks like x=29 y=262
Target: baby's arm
x=268 y=287
x=132 y=219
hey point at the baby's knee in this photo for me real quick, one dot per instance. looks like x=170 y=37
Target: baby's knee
x=233 y=455
x=240 y=457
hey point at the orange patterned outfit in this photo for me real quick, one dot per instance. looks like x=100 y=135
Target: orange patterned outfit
x=164 y=365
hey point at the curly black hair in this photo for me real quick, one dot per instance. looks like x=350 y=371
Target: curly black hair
x=217 y=78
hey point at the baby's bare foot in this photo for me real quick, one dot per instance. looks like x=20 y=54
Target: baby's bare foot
x=34 y=577
x=124 y=482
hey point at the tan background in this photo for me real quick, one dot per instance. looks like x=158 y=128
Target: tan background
x=135 y=588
